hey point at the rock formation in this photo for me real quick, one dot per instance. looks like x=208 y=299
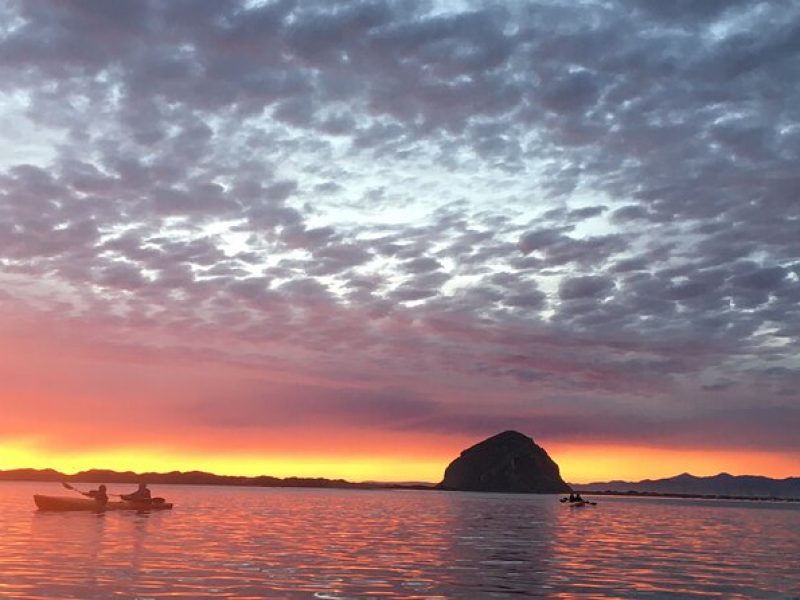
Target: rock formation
x=506 y=462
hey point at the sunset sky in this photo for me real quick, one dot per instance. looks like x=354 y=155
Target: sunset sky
x=351 y=239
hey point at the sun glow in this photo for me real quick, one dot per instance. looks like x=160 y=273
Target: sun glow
x=578 y=464
x=349 y=467
x=586 y=464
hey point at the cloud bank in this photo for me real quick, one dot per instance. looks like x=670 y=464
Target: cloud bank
x=410 y=216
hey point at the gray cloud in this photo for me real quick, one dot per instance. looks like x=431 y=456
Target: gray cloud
x=581 y=197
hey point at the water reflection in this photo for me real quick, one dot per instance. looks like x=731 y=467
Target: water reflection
x=259 y=543
x=499 y=544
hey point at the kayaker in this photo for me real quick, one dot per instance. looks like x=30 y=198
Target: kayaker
x=578 y=497
x=99 y=495
x=571 y=497
x=140 y=495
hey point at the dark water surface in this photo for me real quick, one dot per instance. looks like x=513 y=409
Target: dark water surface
x=294 y=543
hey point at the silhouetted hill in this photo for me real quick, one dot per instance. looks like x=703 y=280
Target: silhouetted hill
x=31 y=475
x=178 y=477
x=506 y=462
x=723 y=484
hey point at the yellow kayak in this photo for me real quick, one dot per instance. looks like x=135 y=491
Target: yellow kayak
x=70 y=503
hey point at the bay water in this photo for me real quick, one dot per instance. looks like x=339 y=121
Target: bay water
x=230 y=542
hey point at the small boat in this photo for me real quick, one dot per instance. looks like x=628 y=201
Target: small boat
x=577 y=503
x=65 y=503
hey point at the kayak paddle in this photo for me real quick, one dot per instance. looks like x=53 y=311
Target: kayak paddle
x=74 y=489
x=69 y=487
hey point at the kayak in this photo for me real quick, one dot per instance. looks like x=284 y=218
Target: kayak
x=578 y=504
x=69 y=503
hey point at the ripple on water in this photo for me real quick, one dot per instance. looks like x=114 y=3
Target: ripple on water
x=339 y=544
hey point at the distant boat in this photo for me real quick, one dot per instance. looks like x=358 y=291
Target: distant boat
x=577 y=503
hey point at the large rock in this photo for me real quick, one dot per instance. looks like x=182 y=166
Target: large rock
x=506 y=462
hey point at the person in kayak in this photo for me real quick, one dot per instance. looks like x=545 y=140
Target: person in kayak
x=99 y=495
x=571 y=497
x=141 y=495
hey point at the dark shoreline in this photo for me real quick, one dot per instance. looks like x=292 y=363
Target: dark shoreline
x=196 y=478
x=204 y=478
x=635 y=494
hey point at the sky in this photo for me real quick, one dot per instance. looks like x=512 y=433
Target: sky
x=351 y=239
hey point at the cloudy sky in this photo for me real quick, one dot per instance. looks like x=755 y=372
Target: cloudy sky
x=349 y=239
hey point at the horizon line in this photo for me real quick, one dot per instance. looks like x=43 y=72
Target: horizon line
x=347 y=481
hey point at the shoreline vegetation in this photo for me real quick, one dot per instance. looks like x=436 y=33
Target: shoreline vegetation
x=203 y=478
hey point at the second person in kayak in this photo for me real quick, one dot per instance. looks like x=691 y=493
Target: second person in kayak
x=141 y=495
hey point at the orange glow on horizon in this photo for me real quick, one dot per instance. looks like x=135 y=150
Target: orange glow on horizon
x=353 y=467
x=78 y=406
x=590 y=463
x=579 y=464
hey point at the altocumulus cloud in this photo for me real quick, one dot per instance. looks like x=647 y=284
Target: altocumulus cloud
x=508 y=203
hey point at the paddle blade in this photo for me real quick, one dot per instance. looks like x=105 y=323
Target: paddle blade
x=68 y=486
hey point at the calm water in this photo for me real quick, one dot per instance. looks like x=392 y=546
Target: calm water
x=293 y=543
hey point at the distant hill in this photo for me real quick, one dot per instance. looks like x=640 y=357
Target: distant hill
x=179 y=477
x=510 y=464
x=32 y=475
x=723 y=484
x=506 y=462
